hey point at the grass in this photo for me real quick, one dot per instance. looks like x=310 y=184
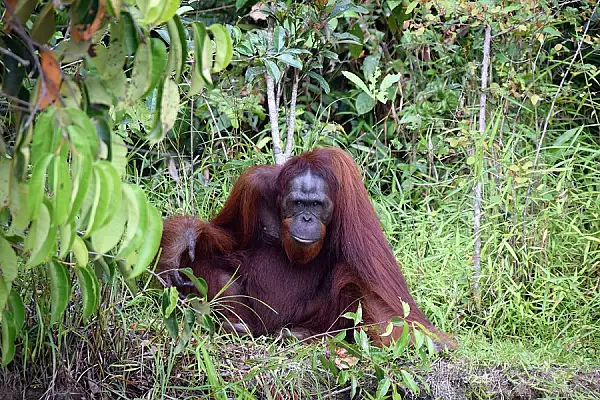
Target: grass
x=534 y=334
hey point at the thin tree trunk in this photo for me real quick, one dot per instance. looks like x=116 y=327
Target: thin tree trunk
x=291 y=120
x=272 y=101
x=479 y=184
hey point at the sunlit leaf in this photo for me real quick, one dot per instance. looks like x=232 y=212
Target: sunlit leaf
x=108 y=236
x=358 y=82
x=151 y=243
x=223 y=47
x=80 y=251
x=136 y=223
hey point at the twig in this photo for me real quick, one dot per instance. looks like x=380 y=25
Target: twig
x=478 y=185
x=273 y=111
x=291 y=123
x=9 y=53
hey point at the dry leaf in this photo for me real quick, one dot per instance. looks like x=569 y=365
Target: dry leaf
x=86 y=31
x=256 y=12
x=343 y=360
x=50 y=79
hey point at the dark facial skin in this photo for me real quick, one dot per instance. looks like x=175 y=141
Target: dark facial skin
x=307 y=204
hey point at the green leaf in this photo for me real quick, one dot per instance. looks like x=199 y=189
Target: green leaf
x=200 y=73
x=169 y=11
x=388 y=81
x=41 y=239
x=97 y=208
x=290 y=60
x=8 y=261
x=224 y=48
x=383 y=388
x=80 y=251
x=151 y=10
x=82 y=174
x=159 y=62
x=358 y=82
x=409 y=381
x=151 y=243
x=85 y=134
x=273 y=70
x=116 y=6
x=199 y=283
x=90 y=290
x=117 y=51
x=5 y=174
x=169 y=105
x=136 y=223
x=60 y=290
x=66 y=236
x=19 y=208
x=322 y=82
x=37 y=185
x=45 y=25
x=108 y=236
x=61 y=187
x=9 y=333
x=364 y=103
x=17 y=309
x=279 y=34
x=141 y=75
x=177 y=48
x=114 y=183
x=169 y=301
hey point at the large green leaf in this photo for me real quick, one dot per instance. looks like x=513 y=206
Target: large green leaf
x=223 y=46
x=41 y=239
x=8 y=261
x=141 y=75
x=159 y=62
x=37 y=185
x=177 y=48
x=136 y=223
x=151 y=243
x=60 y=290
x=9 y=333
x=90 y=290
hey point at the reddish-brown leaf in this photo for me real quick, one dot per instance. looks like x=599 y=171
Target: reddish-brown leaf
x=50 y=79
x=11 y=5
x=86 y=31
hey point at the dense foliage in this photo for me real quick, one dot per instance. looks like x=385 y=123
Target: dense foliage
x=475 y=124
